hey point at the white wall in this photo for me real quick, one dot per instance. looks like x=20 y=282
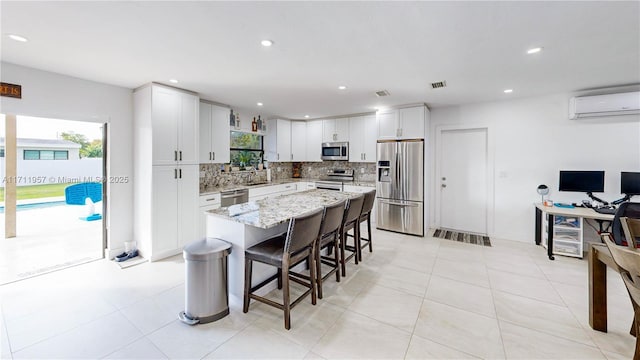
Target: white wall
x=531 y=140
x=51 y=95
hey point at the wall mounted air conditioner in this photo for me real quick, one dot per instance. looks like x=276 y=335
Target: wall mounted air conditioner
x=604 y=105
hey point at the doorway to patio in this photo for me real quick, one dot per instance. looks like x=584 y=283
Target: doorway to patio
x=59 y=191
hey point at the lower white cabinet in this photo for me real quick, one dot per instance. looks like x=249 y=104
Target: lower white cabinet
x=174 y=221
x=206 y=202
x=273 y=190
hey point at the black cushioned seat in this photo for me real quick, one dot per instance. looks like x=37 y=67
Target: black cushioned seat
x=269 y=251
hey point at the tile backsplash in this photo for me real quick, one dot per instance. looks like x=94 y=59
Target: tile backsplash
x=211 y=175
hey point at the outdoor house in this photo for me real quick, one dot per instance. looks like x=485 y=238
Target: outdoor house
x=36 y=157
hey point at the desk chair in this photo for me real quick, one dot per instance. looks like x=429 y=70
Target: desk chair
x=628 y=261
x=629 y=210
x=283 y=252
x=631 y=230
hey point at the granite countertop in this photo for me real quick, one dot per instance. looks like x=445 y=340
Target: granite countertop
x=229 y=187
x=270 y=212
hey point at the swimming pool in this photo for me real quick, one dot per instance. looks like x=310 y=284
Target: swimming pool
x=22 y=207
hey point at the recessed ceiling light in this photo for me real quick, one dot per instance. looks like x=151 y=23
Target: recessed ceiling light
x=508 y=91
x=18 y=38
x=266 y=43
x=342 y=87
x=306 y=116
x=174 y=81
x=534 y=50
x=260 y=104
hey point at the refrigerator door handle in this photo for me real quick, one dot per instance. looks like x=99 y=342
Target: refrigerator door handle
x=399 y=204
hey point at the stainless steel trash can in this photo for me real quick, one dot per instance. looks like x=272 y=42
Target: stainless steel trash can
x=206 y=288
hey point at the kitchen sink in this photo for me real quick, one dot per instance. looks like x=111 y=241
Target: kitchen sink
x=256 y=183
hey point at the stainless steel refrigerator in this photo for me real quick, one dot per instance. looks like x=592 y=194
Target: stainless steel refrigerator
x=400 y=186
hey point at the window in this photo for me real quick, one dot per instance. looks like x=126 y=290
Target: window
x=2 y=152
x=45 y=154
x=61 y=155
x=246 y=149
x=32 y=155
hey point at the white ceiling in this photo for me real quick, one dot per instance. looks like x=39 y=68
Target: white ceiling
x=214 y=48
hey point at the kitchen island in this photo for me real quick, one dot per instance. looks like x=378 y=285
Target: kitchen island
x=245 y=225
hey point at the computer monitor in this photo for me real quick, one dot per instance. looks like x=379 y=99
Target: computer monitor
x=582 y=181
x=630 y=183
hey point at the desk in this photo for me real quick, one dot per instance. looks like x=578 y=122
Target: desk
x=552 y=211
x=599 y=259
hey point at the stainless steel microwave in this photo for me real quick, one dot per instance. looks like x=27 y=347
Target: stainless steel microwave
x=335 y=151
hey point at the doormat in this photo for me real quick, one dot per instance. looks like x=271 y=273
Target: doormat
x=462 y=237
x=131 y=262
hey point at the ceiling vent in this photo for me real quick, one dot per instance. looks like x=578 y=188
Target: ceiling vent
x=438 y=85
x=382 y=93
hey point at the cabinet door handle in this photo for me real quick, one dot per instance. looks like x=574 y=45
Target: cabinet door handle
x=175 y=173
x=209 y=155
x=291 y=156
x=180 y=155
x=364 y=156
x=175 y=155
x=211 y=199
x=180 y=173
x=278 y=157
x=214 y=155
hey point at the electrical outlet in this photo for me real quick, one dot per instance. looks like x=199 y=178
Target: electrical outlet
x=361 y=170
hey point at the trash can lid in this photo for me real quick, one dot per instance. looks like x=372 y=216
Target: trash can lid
x=206 y=249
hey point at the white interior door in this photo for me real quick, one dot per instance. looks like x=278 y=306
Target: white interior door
x=463 y=180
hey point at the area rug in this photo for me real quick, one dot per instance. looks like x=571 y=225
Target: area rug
x=462 y=237
x=131 y=262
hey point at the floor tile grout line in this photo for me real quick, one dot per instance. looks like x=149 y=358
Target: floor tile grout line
x=63 y=332
x=447 y=346
x=4 y=326
x=593 y=344
x=495 y=310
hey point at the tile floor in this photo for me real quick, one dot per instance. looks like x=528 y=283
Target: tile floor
x=415 y=298
x=60 y=239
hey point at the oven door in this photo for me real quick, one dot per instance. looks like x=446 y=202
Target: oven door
x=335 y=151
x=329 y=185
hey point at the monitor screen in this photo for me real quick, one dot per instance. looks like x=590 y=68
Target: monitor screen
x=630 y=183
x=582 y=181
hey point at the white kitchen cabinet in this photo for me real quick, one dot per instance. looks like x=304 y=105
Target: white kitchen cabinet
x=403 y=123
x=206 y=202
x=298 y=141
x=262 y=192
x=174 y=126
x=277 y=142
x=335 y=130
x=314 y=140
x=174 y=218
x=166 y=174
x=363 y=138
x=214 y=134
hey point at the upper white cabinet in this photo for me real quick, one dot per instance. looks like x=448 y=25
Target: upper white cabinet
x=404 y=123
x=214 y=134
x=298 y=141
x=277 y=142
x=335 y=130
x=314 y=140
x=174 y=126
x=362 y=139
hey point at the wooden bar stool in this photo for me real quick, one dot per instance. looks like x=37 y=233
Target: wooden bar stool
x=350 y=221
x=367 y=208
x=283 y=252
x=329 y=238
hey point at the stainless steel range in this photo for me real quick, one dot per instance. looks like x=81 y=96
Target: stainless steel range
x=335 y=179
